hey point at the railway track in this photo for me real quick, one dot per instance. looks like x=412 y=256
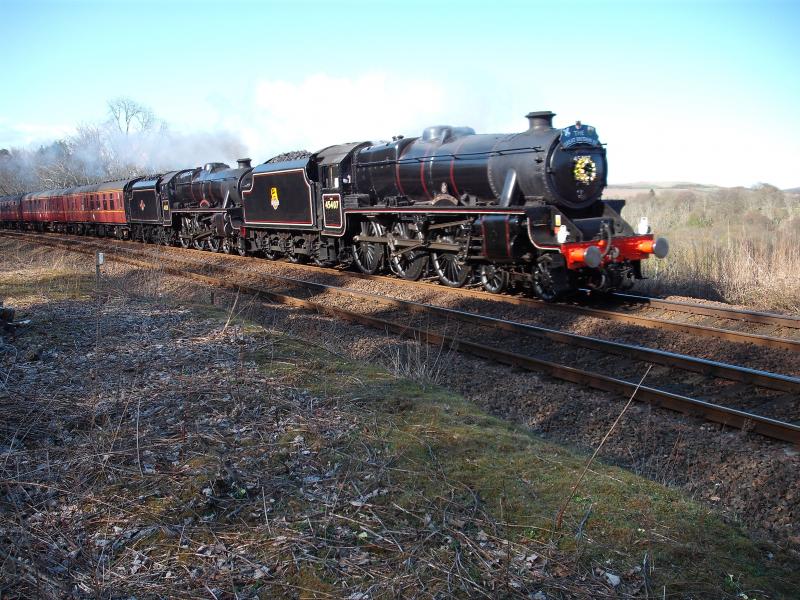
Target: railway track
x=735 y=314
x=229 y=278
x=617 y=314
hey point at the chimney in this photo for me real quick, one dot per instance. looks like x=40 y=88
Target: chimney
x=243 y=163
x=540 y=119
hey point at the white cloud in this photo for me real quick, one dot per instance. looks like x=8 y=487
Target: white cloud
x=18 y=135
x=647 y=140
x=321 y=110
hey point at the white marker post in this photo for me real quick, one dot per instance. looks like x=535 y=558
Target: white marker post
x=100 y=259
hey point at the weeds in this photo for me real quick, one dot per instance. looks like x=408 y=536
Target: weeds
x=418 y=361
x=735 y=245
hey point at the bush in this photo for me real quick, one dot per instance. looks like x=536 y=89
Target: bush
x=737 y=245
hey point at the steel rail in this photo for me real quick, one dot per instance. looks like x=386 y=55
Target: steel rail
x=735 y=314
x=606 y=314
x=760 y=378
x=713 y=412
x=692 y=329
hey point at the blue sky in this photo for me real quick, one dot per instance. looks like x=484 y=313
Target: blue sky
x=691 y=91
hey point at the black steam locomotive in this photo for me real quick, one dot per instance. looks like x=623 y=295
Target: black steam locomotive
x=523 y=209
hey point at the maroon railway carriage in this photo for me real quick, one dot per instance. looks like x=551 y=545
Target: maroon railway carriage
x=86 y=210
x=10 y=216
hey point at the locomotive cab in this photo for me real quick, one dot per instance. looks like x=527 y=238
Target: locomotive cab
x=335 y=180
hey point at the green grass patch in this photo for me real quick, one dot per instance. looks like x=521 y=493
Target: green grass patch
x=444 y=443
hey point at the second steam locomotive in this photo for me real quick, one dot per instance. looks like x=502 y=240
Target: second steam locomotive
x=522 y=210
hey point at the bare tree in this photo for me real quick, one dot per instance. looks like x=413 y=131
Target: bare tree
x=16 y=174
x=8 y=182
x=55 y=166
x=130 y=115
x=130 y=141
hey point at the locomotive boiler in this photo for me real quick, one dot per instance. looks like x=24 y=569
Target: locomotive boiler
x=564 y=167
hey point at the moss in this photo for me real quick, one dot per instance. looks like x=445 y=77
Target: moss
x=312 y=586
x=53 y=285
x=526 y=480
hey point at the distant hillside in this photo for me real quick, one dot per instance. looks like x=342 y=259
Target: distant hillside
x=663 y=185
x=629 y=190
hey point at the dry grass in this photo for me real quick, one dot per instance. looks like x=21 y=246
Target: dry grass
x=418 y=361
x=735 y=245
